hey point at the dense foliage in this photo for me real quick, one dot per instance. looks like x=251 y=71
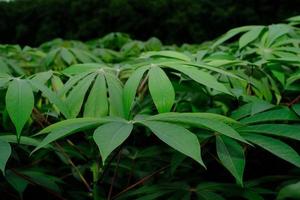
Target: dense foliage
x=32 y=22
x=116 y=118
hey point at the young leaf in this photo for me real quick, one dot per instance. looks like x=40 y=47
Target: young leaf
x=97 y=102
x=5 y=151
x=19 y=103
x=231 y=155
x=276 y=147
x=111 y=135
x=161 y=90
x=177 y=137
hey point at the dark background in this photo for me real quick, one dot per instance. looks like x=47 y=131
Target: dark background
x=31 y=22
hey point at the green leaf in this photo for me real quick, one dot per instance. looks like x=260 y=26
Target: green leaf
x=167 y=54
x=52 y=97
x=250 y=36
x=202 y=77
x=251 y=108
x=181 y=116
x=296 y=109
x=276 y=147
x=111 y=135
x=75 y=121
x=66 y=56
x=97 y=102
x=83 y=68
x=231 y=33
x=19 y=103
x=282 y=130
x=4 y=82
x=161 y=90
x=289 y=191
x=42 y=179
x=71 y=82
x=282 y=114
x=177 y=137
x=115 y=92
x=130 y=88
x=209 y=195
x=18 y=183
x=49 y=59
x=276 y=31
x=202 y=121
x=4 y=67
x=75 y=98
x=66 y=128
x=42 y=77
x=231 y=155
x=81 y=55
x=24 y=140
x=5 y=151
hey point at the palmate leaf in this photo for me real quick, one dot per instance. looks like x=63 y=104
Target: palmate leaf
x=109 y=136
x=19 y=103
x=275 y=147
x=231 y=155
x=177 y=137
x=5 y=151
x=161 y=89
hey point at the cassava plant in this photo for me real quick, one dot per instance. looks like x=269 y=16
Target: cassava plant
x=116 y=118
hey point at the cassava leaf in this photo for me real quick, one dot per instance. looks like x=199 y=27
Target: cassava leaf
x=177 y=137
x=109 y=136
x=161 y=89
x=19 y=103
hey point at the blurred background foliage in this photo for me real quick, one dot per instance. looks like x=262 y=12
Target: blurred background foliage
x=32 y=22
